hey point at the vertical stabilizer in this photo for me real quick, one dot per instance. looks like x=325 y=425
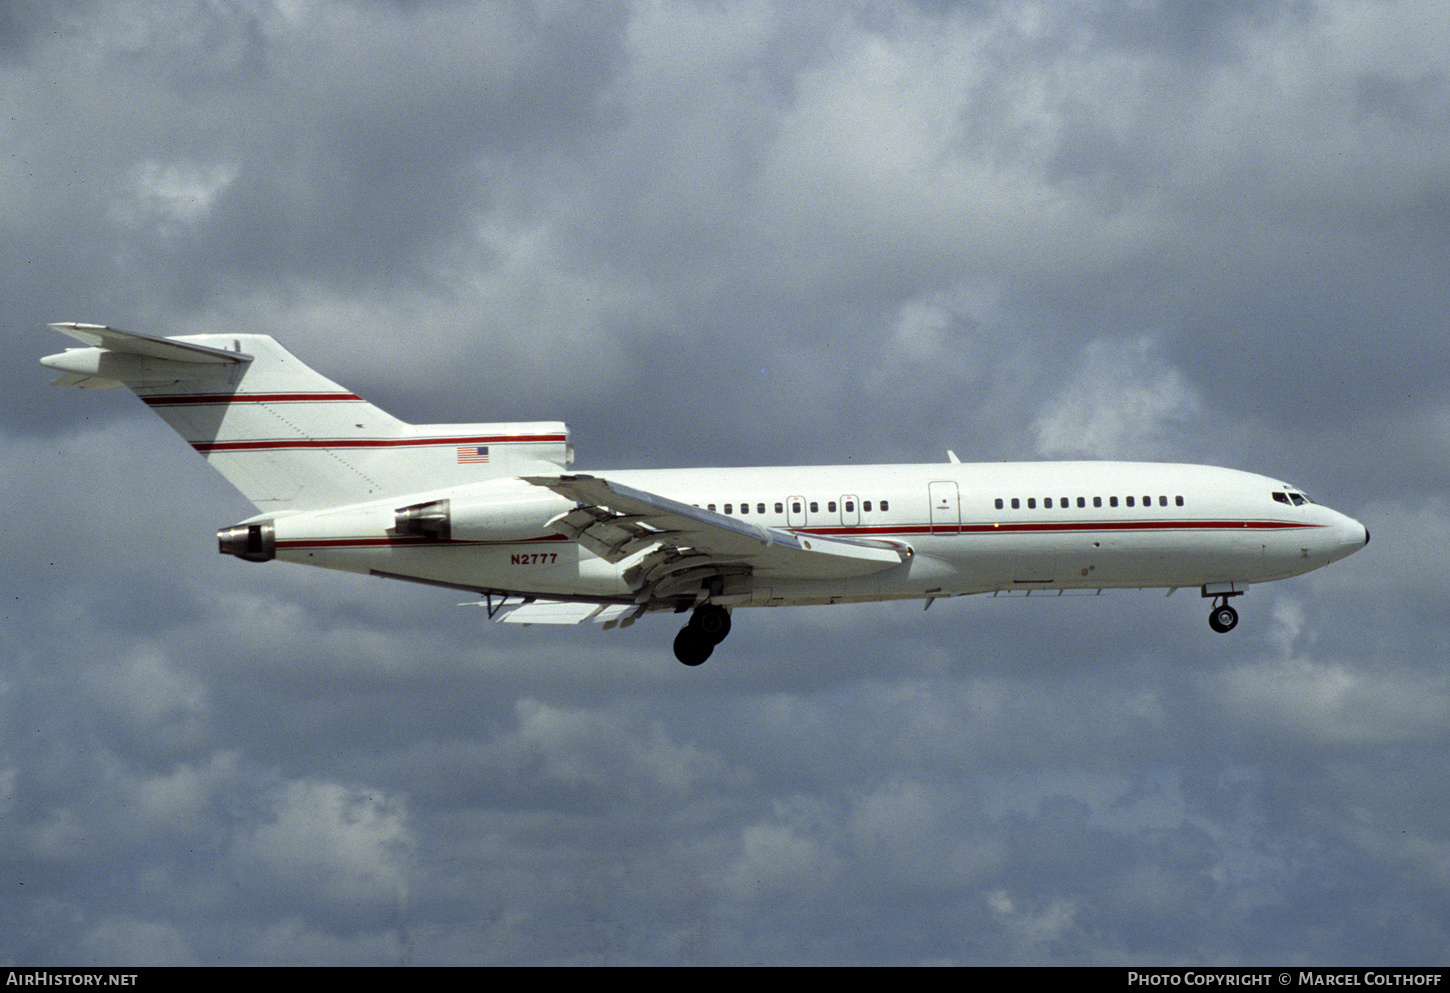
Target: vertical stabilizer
x=284 y=435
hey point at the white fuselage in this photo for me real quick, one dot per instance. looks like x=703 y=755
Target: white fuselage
x=972 y=528
x=494 y=507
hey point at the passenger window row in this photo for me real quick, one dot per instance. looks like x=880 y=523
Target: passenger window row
x=1066 y=503
x=796 y=507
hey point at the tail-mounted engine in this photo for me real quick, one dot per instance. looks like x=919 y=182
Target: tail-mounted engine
x=432 y=520
x=503 y=511
x=253 y=542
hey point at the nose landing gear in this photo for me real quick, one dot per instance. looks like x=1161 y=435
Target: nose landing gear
x=1222 y=618
x=708 y=626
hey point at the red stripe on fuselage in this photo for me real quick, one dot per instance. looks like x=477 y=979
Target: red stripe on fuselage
x=281 y=444
x=226 y=399
x=390 y=541
x=1056 y=527
x=897 y=531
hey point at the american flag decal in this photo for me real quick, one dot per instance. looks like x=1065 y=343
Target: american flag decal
x=472 y=453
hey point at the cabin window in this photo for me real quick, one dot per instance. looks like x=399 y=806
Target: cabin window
x=1047 y=503
x=815 y=507
x=745 y=508
x=850 y=506
x=760 y=508
x=780 y=508
x=885 y=505
x=795 y=506
x=1147 y=501
x=1016 y=504
x=1097 y=501
x=830 y=506
x=728 y=506
x=1031 y=503
x=999 y=503
x=709 y=506
x=1113 y=502
x=1163 y=501
x=1130 y=501
x=1082 y=501
x=1178 y=501
x=866 y=506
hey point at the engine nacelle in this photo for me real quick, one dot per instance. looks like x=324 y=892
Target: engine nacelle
x=482 y=517
x=501 y=510
x=253 y=542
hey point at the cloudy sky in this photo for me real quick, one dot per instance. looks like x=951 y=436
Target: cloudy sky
x=731 y=234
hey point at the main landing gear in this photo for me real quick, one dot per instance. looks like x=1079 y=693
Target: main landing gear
x=708 y=626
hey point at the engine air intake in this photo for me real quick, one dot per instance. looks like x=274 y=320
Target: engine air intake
x=432 y=520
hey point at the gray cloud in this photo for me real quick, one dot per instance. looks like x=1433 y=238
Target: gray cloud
x=772 y=233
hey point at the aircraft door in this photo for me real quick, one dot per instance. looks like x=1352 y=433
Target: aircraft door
x=850 y=510
x=795 y=512
x=946 y=507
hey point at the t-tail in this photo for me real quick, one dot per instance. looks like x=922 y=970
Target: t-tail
x=287 y=437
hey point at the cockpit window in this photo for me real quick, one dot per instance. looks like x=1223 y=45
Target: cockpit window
x=1292 y=498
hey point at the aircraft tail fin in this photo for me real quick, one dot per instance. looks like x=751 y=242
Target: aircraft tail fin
x=286 y=436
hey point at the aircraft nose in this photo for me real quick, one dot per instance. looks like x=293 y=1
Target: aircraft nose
x=1352 y=536
x=1361 y=536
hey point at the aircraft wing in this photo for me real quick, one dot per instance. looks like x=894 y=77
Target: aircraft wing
x=678 y=545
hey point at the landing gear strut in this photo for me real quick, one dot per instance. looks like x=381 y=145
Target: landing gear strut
x=708 y=626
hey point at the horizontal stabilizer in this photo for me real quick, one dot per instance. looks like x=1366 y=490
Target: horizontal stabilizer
x=131 y=343
x=136 y=360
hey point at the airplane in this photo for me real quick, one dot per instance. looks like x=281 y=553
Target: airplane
x=491 y=508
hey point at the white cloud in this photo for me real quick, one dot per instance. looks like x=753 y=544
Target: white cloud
x=1124 y=401
x=125 y=940
x=792 y=851
x=152 y=696
x=1031 y=924
x=504 y=317
x=1321 y=702
x=911 y=834
x=171 y=199
x=611 y=753
x=328 y=841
